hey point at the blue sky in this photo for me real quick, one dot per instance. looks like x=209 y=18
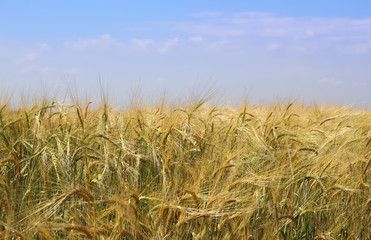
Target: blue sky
x=317 y=51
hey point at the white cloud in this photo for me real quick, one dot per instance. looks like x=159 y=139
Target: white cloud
x=30 y=57
x=359 y=48
x=210 y=29
x=251 y=14
x=196 y=39
x=330 y=81
x=207 y=14
x=141 y=44
x=216 y=46
x=44 y=46
x=167 y=45
x=366 y=22
x=303 y=35
x=359 y=84
x=273 y=46
x=33 y=68
x=309 y=33
x=28 y=68
x=104 y=40
x=241 y=32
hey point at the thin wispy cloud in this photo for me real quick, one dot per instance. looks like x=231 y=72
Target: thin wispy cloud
x=141 y=44
x=247 y=30
x=342 y=35
x=104 y=40
x=33 y=68
x=359 y=84
x=196 y=39
x=210 y=29
x=28 y=68
x=44 y=46
x=243 y=15
x=207 y=14
x=167 y=45
x=30 y=57
x=331 y=81
x=273 y=46
x=357 y=48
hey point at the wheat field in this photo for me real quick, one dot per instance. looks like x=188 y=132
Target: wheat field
x=186 y=171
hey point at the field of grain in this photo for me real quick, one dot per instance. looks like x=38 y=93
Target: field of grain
x=187 y=171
